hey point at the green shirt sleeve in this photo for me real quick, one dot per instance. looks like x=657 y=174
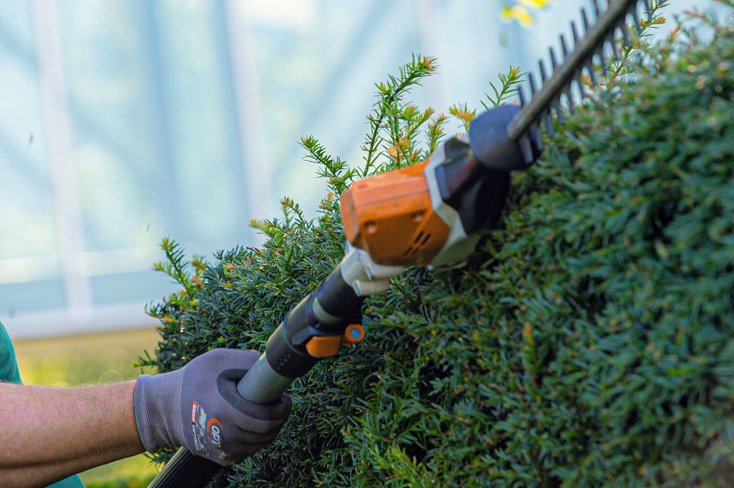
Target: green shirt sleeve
x=9 y=374
x=8 y=365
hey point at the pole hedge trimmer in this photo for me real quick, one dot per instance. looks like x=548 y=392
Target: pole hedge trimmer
x=430 y=214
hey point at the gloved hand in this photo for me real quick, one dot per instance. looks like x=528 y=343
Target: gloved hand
x=198 y=407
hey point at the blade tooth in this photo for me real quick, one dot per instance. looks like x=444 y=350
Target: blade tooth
x=592 y=76
x=569 y=99
x=564 y=46
x=636 y=18
x=572 y=100
x=527 y=151
x=597 y=9
x=625 y=36
x=613 y=46
x=648 y=9
x=533 y=85
x=543 y=73
x=620 y=35
x=559 y=111
x=548 y=121
x=584 y=20
x=574 y=33
x=602 y=59
x=554 y=61
x=580 y=87
x=521 y=95
x=534 y=140
x=537 y=141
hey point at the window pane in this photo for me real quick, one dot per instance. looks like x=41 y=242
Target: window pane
x=29 y=271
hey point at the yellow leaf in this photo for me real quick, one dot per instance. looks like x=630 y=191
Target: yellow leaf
x=520 y=14
x=538 y=4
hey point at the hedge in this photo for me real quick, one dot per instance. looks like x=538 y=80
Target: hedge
x=590 y=339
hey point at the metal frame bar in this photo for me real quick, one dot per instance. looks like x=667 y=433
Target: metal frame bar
x=248 y=111
x=63 y=171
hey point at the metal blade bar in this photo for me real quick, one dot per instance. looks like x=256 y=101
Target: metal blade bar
x=568 y=69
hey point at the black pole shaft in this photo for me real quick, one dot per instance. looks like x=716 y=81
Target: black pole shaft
x=338 y=299
x=185 y=470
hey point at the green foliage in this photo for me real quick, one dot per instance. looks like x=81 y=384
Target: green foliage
x=638 y=45
x=508 y=83
x=395 y=121
x=589 y=341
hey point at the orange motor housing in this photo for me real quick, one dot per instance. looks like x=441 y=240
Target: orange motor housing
x=391 y=217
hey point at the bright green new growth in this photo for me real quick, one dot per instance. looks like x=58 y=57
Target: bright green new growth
x=589 y=341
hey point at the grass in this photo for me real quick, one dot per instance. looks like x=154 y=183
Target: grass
x=90 y=359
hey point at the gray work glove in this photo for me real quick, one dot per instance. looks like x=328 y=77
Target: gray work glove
x=198 y=407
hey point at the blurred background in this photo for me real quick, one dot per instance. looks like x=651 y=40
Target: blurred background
x=122 y=121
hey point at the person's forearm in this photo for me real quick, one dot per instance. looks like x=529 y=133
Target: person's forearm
x=50 y=433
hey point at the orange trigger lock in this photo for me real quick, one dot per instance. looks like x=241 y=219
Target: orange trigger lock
x=328 y=346
x=323 y=346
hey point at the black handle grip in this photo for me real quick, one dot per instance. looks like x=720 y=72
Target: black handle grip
x=286 y=359
x=185 y=470
x=337 y=297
